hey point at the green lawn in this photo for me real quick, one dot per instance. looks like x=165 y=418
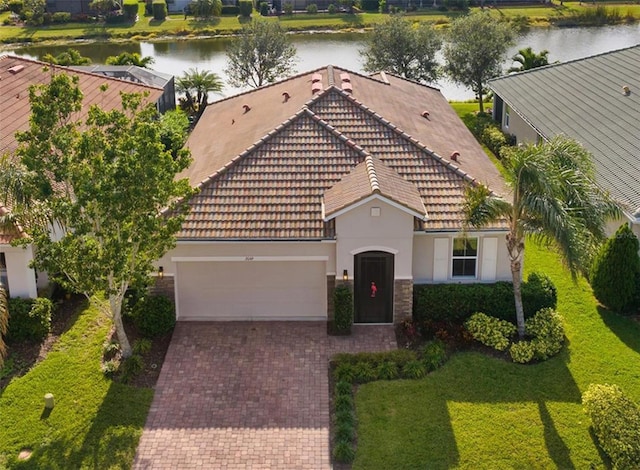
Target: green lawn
x=95 y=424
x=148 y=28
x=477 y=412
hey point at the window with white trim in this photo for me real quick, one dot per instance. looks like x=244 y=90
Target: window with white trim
x=464 y=257
x=507 y=110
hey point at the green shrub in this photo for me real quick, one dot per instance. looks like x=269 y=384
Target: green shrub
x=616 y=423
x=16 y=6
x=142 y=346
x=246 y=8
x=343 y=387
x=61 y=17
x=343 y=452
x=332 y=9
x=344 y=432
x=264 y=8
x=110 y=349
x=462 y=5
x=159 y=8
x=29 y=319
x=522 y=352
x=344 y=372
x=344 y=417
x=154 y=315
x=382 y=6
x=456 y=302
x=414 y=370
x=494 y=139
x=312 y=8
x=399 y=356
x=230 y=10
x=490 y=331
x=387 y=370
x=288 y=9
x=110 y=367
x=433 y=354
x=343 y=304
x=364 y=372
x=344 y=402
x=130 y=9
x=548 y=333
x=615 y=270
x=131 y=367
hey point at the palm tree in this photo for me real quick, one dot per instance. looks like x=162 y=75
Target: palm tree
x=529 y=60
x=196 y=86
x=130 y=58
x=554 y=198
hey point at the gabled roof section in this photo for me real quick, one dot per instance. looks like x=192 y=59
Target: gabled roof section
x=369 y=178
x=17 y=74
x=586 y=99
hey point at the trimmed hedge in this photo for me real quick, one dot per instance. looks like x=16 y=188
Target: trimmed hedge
x=490 y=331
x=130 y=9
x=29 y=319
x=343 y=304
x=245 y=7
x=457 y=302
x=616 y=423
x=159 y=8
x=154 y=315
x=230 y=10
x=547 y=333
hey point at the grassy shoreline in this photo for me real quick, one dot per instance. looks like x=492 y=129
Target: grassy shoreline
x=177 y=27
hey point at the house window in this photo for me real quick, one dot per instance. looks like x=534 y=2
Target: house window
x=465 y=257
x=4 y=278
x=507 y=110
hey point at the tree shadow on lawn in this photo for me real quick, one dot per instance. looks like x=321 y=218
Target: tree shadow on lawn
x=623 y=327
x=110 y=440
x=422 y=412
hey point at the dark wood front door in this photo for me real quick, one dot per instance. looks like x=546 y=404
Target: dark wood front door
x=373 y=287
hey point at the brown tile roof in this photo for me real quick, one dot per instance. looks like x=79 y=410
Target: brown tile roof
x=10 y=232
x=264 y=159
x=368 y=178
x=18 y=73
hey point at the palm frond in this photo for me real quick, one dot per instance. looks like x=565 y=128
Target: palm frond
x=481 y=207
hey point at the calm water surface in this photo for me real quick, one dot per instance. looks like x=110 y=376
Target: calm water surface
x=342 y=49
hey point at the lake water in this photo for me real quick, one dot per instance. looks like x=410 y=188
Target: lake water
x=342 y=49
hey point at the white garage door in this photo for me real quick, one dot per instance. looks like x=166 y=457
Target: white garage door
x=252 y=290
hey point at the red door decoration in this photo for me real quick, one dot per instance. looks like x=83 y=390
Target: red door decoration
x=374 y=289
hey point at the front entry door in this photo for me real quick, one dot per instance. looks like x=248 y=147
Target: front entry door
x=373 y=287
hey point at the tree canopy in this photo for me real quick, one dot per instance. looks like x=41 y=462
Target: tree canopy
x=103 y=182
x=554 y=198
x=196 y=86
x=397 y=46
x=475 y=51
x=206 y=9
x=69 y=57
x=527 y=59
x=130 y=58
x=261 y=54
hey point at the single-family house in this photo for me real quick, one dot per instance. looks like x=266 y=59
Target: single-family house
x=17 y=74
x=324 y=178
x=594 y=100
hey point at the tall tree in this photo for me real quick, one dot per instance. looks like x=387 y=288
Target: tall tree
x=196 y=86
x=104 y=181
x=205 y=9
x=261 y=54
x=130 y=58
x=527 y=59
x=476 y=50
x=69 y=57
x=554 y=198
x=396 y=46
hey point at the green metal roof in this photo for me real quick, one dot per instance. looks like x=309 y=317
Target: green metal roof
x=585 y=99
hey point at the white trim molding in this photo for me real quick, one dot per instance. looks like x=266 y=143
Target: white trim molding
x=374 y=248
x=239 y=259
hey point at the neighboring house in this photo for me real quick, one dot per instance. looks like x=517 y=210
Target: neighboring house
x=325 y=178
x=139 y=75
x=596 y=101
x=16 y=75
x=71 y=6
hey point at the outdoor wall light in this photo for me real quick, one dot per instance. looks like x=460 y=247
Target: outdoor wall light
x=160 y=272
x=345 y=275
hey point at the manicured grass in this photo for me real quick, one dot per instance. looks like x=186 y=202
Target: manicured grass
x=175 y=24
x=462 y=108
x=478 y=412
x=95 y=423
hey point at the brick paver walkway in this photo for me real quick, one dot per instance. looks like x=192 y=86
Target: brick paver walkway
x=247 y=395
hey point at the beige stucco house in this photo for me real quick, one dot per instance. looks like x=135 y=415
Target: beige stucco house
x=594 y=100
x=329 y=177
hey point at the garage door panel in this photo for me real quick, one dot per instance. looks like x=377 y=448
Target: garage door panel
x=260 y=290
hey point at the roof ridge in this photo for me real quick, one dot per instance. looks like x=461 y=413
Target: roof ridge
x=371 y=173
x=404 y=135
x=559 y=64
x=410 y=80
x=65 y=69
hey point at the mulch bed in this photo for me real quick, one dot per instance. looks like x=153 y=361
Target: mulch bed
x=24 y=355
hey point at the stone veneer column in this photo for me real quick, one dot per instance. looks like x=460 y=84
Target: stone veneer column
x=164 y=286
x=402 y=299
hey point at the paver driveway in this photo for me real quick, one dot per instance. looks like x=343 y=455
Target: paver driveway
x=247 y=395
